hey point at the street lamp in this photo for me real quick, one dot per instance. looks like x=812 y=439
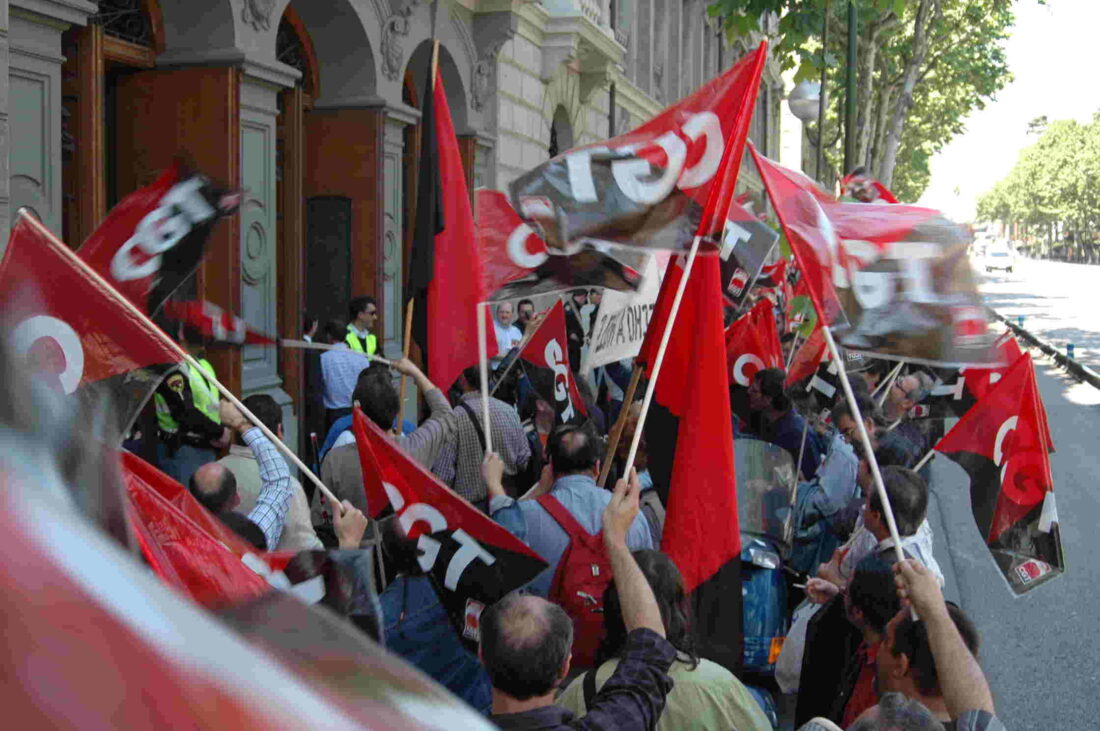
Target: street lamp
x=804 y=102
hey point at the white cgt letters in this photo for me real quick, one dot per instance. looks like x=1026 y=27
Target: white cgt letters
x=462 y=558
x=180 y=209
x=632 y=174
x=553 y=355
x=33 y=329
x=739 y=376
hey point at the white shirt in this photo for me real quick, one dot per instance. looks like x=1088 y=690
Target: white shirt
x=863 y=543
x=507 y=336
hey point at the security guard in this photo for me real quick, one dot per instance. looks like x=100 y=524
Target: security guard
x=362 y=316
x=189 y=429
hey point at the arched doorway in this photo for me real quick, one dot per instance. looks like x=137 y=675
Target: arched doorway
x=561 y=132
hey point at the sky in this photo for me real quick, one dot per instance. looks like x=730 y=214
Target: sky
x=1053 y=54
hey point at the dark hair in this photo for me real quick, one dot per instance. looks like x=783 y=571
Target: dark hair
x=573 y=449
x=772 y=383
x=898 y=712
x=245 y=528
x=359 y=304
x=873 y=592
x=911 y=640
x=472 y=376
x=908 y=495
x=525 y=641
x=308 y=321
x=668 y=588
x=523 y=302
x=215 y=501
x=265 y=409
x=335 y=331
x=377 y=396
x=866 y=407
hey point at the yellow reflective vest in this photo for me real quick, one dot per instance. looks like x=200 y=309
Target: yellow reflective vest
x=204 y=395
x=356 y=344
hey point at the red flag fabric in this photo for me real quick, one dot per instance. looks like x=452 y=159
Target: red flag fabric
x=215 y=323
x=752 y=344
x=892 y=281
x=517 y=263
x=1000 y=443
x=808 y=358
x=701 y=526
x=655 y=186
x=449 y=326
x=72 y=331
x=377 y=499
x=472 y=560
x=155 y=238
x=545 y=359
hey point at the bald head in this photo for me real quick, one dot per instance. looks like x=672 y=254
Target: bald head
x=215 y=487
x=525 y=645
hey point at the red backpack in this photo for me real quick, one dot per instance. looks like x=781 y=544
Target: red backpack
x=583 y=574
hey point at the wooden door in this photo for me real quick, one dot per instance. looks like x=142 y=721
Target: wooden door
x=156 y=116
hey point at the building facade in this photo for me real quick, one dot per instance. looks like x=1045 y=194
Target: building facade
x=311 y=106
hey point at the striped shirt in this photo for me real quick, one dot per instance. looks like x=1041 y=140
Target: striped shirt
x=274 y=498
x=459 y=464
x=340 y=369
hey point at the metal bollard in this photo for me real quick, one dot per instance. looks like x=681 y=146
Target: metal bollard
x=1069 y=350
x=1019 y=320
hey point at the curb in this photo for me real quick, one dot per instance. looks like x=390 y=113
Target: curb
x=1077 y=370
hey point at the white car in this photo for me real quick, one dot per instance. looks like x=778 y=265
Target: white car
x=1000 y=257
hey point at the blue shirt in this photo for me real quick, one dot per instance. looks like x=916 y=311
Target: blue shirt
x=340 y=369
x=528 y=521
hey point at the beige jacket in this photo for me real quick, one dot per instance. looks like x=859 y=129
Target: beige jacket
x=298 y=534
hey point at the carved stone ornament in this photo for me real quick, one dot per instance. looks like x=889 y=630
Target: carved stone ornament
x=491 y=32
x=395 y=28
x=257 y=13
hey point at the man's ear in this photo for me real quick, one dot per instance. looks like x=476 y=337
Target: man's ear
x=901 y=666
x=597 y=468
x=565 y=668
x=279 y=432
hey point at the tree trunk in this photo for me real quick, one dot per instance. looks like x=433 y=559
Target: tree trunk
x=885 y=104
x=866 y=121
x=928 y=14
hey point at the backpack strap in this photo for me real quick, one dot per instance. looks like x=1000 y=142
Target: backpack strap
x=477 y=425
x=568 y=523
x=588 y=685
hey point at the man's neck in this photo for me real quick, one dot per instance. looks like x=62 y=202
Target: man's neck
x=360 y=330
x=504 y=703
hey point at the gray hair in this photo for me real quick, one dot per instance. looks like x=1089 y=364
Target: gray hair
x=898 y=712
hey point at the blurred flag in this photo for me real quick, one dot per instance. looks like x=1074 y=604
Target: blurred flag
x=752 y=344
x=215 y=323
x=1000 y=443
x=746 y=247
x=545 y=360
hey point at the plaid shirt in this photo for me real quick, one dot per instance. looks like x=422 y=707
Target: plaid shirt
x=274 y=499
x=340 y=369
x=633 y=698
x=459 y=463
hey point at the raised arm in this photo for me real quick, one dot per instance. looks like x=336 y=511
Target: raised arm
x=274 y=498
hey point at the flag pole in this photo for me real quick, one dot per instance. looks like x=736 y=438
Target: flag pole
x=794 y=349
x=884 y=388
x=483 y=365
x=660 y=359
x=172 y=345
x=788 y=529
x=620 y=424
x=924 y=460
x=527 y=335
x=405 y=351
x=306 y=345
x=865 y=438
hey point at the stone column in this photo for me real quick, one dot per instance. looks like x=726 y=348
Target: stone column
x=393 y=227
x=5 y=181
x=32 y=104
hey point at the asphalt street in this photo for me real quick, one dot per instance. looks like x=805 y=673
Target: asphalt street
x=1040 y=651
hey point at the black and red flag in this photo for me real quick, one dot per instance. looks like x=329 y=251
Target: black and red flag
x=471 y=559
x=646 y=187
x=893 y=281
x=153 y=240
x=1001 y=444
x=808 y=358
x=545 y=360
x=215 y=324
x=752 y=344
x=517 y=263
x=446 y=281
x=73 y=331
x=748 y=244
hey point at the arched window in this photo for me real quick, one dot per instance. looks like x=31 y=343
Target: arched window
x=294 y=48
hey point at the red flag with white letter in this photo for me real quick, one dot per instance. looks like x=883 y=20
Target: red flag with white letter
x=154 y=239
x=752 y=344
x=649 y=187
x=71 y=329
x=545 y=359
x=1000 y=442
x=472 y=560
x=215 y=323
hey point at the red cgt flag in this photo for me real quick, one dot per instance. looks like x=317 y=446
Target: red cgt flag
x=752 y=344
x=472 y=560
x=215 y=323
x=701 y=528
x=1000 y=443
x=545 y=359
x=72 y=330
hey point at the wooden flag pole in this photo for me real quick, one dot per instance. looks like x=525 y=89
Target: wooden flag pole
x=483 y=365
x=405 y=351
x=924 y=460
x=660 y=359
x=794 y=349
x=306 y=345
x=788 y=528
x=620 y=424
x=532 y=328
x=883 y=391
x=865 y=438
x=174 y=347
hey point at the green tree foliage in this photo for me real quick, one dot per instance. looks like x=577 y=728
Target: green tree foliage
x=1055 y=184
x=934 y=60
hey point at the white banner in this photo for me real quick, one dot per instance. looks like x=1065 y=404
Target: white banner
x=622 y=320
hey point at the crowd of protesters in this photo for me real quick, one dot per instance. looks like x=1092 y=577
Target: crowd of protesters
x=874 y=645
